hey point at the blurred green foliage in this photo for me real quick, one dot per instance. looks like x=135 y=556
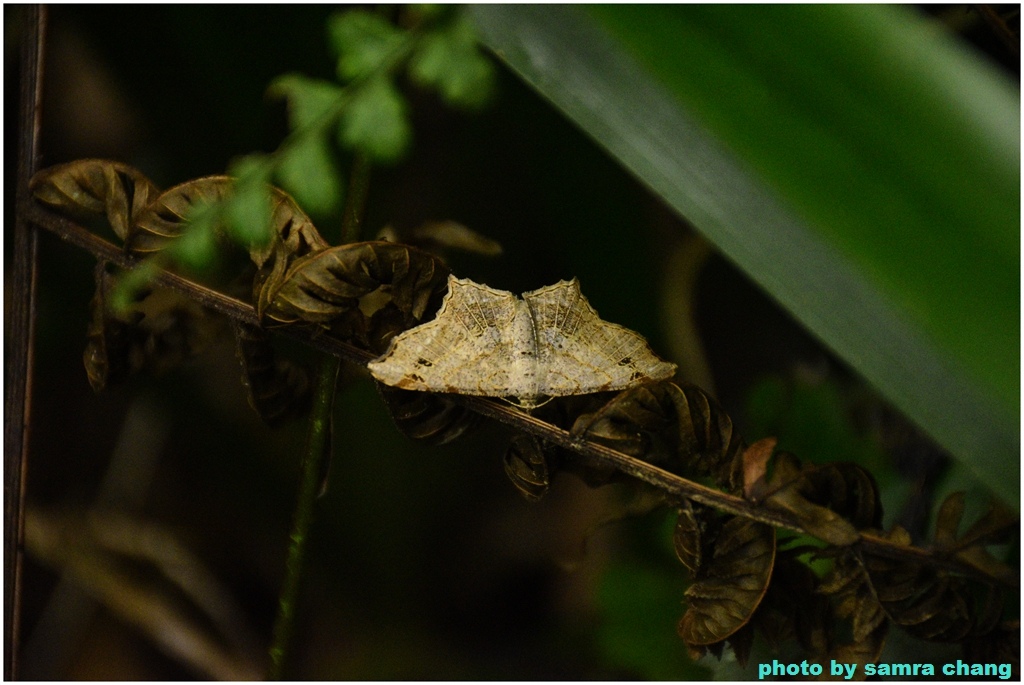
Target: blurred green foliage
x=859 y=164
x=449 y=61
x=376 y=121
x=366 y=113
x=812 y=419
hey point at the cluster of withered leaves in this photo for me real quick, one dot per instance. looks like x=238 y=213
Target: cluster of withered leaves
x=364 y=293
x=155 y=332
x=746 y=580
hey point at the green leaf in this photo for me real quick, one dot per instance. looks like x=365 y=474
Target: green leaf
x=247 y=210
x=448 y=60
x=310 y=100
x=122 y=297
x=197 y=247
x=860 y=166
x=363 y=42
x=307 y=170
x=375 y=122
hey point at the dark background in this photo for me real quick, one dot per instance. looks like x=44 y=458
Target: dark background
x=424 y=563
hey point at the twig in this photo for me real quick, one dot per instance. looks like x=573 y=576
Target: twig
x=358 y=189
x=673 y=485
x=18 y=393
x=318 y=444
x=316 y=450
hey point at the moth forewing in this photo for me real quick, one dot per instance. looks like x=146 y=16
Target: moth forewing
x=488 y=342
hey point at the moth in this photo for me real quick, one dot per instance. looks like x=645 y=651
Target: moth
x=549 y=343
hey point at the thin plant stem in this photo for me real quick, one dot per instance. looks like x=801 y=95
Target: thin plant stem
x=317 y=449
x=355 y=203
x=21 y=322
x=318 y=444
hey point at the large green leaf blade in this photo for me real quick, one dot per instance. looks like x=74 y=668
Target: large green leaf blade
x=863 y=169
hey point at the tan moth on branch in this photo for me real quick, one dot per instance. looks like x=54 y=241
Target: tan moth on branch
x=549 y=343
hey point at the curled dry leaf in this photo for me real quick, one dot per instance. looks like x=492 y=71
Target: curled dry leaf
x=278 y=389
x=167 y=217
x=157 y=332
x=679 y=429
x=526 y=465
x=947 y=522
x=108 y=337
x=930 y=602
x=853 y=596
x=755 y=463
x=831 y=501
x=738 y=555
x=689 y=532
x=384 y=287
x=998 y=525
x=92 y=188
x=926 y=602
x=640 y=422
x=791 y=608
x=433 y=418
x=438 y=236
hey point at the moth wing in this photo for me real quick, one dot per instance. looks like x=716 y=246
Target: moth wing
x=579 y=353
x=462 y=350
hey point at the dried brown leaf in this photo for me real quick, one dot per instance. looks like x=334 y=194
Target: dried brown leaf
x=951 y=512
x=926 y=602
x=707 y=438
x=109 y=337
x=730 y=583
x=638 y=422
x=755 y=463
x=526 y=465
x=453 y=235
x=154 y=334
x=167 y=217
x=853 y=596
x=679 y=429
x=173 y=328
x=439 y=236
x=278 y=389
x=830 y=501
x=792 y=608
x=89 y=188
x=382 y=287
x=998 y=525
x=434 y=419
x=688 y=535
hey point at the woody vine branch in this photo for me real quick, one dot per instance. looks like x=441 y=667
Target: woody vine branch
x=590 y=453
